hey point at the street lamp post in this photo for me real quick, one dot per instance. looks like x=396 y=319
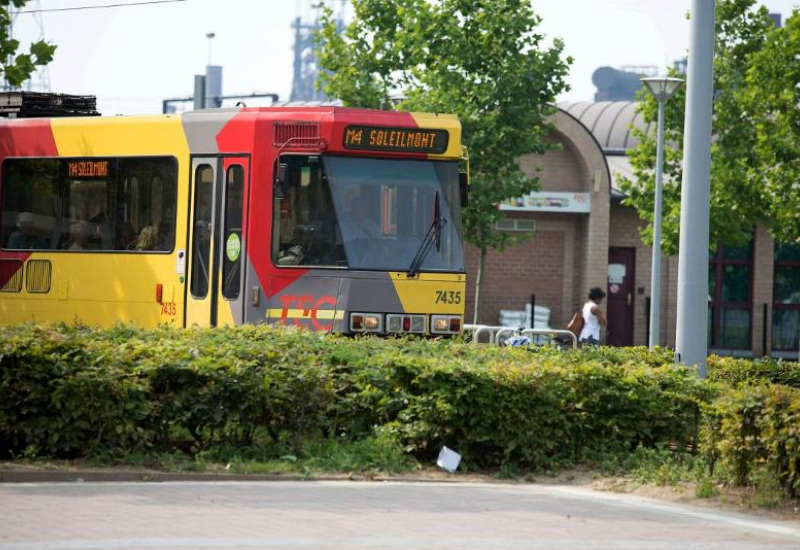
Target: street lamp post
x=662 y=88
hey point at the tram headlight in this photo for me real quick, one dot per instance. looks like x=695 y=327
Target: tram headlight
x=372 y=323
x=445 y=324
x=366 y=322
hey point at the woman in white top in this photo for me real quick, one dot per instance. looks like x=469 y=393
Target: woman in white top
x=593 y=318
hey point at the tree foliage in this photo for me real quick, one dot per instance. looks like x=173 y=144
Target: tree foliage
x=18 y=67
x=738 y=199
x=484 y=61
x=770 y=99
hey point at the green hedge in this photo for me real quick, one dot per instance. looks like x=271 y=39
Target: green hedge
x=69 y=391
x=74 y=391
x=737 y=372
x=755 y=428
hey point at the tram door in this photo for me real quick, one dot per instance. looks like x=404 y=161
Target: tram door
x=216 y=258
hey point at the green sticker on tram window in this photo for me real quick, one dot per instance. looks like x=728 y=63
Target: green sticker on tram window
x=233 y=247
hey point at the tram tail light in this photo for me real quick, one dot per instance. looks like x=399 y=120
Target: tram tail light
x=406 y=323
x=445 y=324
x=366 y=322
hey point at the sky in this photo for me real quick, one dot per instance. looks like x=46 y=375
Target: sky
x=133 y=57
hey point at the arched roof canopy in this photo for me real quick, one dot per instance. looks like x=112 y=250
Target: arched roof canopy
x=611 y=123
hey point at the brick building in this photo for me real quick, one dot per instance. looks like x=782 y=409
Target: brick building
x=582 y=236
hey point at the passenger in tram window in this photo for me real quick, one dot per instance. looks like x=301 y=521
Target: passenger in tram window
x=79 y=233
x=25 y=237
x=99 y=234
x=202 y=223
x=148 y=238
x=166 y=234
x=126 y=236
x=593 y=317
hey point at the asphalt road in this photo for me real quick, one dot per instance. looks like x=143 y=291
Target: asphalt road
x=358 y=515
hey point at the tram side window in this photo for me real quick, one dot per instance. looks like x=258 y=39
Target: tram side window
x=31 y=204
x=145 y=206
x=102 y=205
x=305 y=232
x=232 y=257
x=201 y=242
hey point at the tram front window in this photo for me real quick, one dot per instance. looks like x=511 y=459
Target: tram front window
x=364 y=213
x=304 y=221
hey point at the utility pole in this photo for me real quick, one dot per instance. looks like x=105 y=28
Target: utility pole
x=691 y=344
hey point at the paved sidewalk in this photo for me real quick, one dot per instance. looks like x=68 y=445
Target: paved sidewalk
x=349 y=515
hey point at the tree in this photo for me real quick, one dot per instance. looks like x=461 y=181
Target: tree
x=17 y=68
x=737 y=197
x=484 y=61
x=770 y=101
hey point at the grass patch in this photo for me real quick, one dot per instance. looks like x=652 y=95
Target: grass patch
x=379 y=454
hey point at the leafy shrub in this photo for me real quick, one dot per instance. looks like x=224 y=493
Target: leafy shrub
x=737 y=372
x=754 y=431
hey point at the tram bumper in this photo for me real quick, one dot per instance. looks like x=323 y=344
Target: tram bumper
x=393 y=303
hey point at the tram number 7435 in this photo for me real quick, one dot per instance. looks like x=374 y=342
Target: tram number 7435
x=448 y=296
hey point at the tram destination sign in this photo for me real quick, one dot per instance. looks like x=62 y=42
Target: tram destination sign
x=401 y=140
x=87 y=168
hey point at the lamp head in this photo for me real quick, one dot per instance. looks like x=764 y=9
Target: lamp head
x=662 y=87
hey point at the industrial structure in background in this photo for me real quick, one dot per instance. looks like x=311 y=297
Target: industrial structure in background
x=208 y=90
x=623 y=83
x=620 y=84
x=208 y=86
x=306 y=69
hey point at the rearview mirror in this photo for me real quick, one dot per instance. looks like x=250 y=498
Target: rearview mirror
x=463 y=188
x=280 y=186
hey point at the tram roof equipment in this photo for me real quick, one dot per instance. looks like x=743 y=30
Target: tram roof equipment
x=21 y=104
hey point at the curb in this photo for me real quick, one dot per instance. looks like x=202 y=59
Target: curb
x=78 y=476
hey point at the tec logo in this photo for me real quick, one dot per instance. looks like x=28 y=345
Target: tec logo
x=308 y=308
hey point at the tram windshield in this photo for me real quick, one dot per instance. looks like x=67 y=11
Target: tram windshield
x=368 y=213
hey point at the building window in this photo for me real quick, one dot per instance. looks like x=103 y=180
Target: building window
x=786 y=298
x=730 y=274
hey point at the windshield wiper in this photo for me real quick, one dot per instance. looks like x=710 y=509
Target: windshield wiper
x=432 y=236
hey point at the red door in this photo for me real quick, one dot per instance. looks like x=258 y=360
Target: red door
x=621 y=277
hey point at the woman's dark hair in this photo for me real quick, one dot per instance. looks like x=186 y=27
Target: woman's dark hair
x=596 y=293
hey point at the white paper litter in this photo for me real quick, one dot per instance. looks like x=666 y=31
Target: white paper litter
x=448 y=460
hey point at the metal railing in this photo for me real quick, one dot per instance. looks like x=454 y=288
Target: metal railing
x=496 y=333
x=478 y=330
x=553 y=332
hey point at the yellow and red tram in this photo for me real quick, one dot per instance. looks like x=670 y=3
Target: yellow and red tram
x=330 y=218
